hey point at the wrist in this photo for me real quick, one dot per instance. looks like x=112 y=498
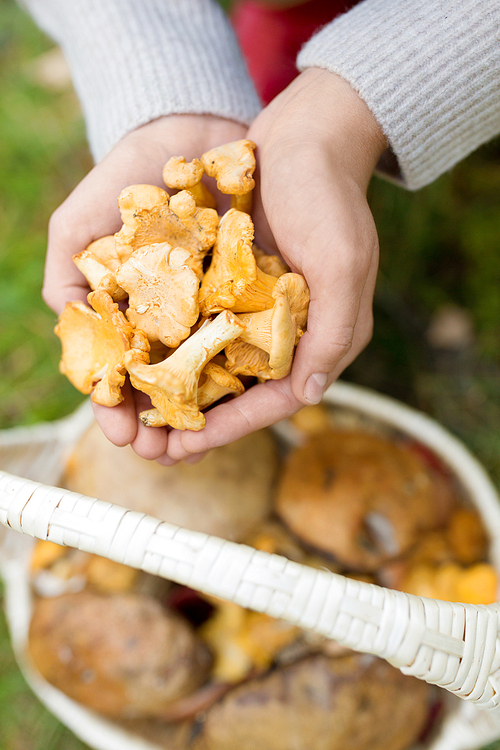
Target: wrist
x=319 y=109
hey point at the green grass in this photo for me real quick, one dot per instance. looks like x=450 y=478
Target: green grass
x=438 y=246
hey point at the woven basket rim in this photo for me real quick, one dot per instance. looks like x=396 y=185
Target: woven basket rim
x=451 y=450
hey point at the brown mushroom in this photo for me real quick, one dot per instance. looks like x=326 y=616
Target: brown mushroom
x=277 y=331
x=234 y=281
x=99 y=263
x=180 y=175
x=228 y=493
x=232 y=165
x=94 y=342
x=122 y=655
x=149 y=218
x=355 y=702
x=215 y=383
x=172 y=384
x=362 y=498
x=163 y=292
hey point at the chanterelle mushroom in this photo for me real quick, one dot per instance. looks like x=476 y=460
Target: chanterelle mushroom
x=150 y=216
x=180 y=175
x=232 y=165
x=215 y=383
x=163 y=292
x=270 y=264
x=94 y=343
x=277 y=331
x=172 y=385
x=234 y=281
x=99 y=263
x=246 y=359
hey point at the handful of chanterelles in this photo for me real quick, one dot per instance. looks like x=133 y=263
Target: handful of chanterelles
x=163 y=309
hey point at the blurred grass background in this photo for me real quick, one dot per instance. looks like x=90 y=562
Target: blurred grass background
x=437 y=307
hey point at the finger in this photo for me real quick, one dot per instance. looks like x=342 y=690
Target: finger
x=118 y=423
x=176 y=451
x=345 y=277
x=149 y=442
x=363 y=329
x=261 y=406
x=90 y=212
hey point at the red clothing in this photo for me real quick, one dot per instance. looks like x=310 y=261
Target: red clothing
x=271 y=38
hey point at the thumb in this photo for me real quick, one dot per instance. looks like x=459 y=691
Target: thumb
x=340 y=321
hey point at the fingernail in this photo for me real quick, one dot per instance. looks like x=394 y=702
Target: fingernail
x=315 y=387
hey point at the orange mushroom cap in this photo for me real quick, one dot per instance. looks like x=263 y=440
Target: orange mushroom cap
x=94 y=342
x=163 y=292
x=234 y=281
x=150 y=216
x=232 y=165
x=99 y=263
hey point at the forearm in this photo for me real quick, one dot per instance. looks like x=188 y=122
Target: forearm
x=134 y=61
x=428 y=70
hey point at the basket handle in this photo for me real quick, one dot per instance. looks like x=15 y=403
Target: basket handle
x=453 y=645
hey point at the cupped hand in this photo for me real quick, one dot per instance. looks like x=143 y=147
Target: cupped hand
x=317 y=147
x=91 y=211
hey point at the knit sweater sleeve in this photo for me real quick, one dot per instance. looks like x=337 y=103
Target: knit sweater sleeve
x=429 y=70
x=135 y=60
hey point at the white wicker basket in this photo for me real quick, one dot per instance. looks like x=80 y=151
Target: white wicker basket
x=455 y=646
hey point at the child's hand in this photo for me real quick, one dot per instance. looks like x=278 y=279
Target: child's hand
x=317 y=147
x=91 y=211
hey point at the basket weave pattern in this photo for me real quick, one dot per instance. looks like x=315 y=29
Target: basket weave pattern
x=455 y=646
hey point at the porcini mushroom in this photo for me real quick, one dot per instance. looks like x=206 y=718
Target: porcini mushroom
x=172 y=385
x=163 y=292
x=215 y=383
x=180 y=175
x=94 y=342
x=277 y=331
x=234 y=281
x=232 y=165
x=148 y=217
x=99 y=263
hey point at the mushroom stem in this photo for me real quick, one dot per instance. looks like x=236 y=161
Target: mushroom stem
x=172 y=384
x=258 y=326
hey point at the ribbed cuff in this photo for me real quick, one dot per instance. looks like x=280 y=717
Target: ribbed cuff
x=429 y=70
x=133 y=61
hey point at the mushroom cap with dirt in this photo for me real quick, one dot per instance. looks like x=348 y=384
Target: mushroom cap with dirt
x=228 y=493
x=94 y=343
x=172 y=385
x=234 y=281
x=277 y=331
x=361 y=497
x=353 y=702
x=163 y=292
x=122 y=655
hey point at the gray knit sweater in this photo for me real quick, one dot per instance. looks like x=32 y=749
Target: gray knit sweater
x=429 y=70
